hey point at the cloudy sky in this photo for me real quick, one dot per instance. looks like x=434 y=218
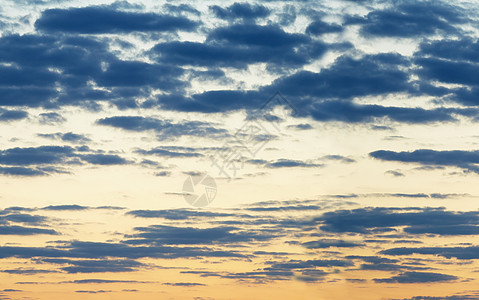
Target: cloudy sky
x=239 y=150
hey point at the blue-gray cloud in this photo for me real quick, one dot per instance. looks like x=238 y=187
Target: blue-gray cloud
x=243 y=11
x=417 y=277
x=46 y=160
x=69 y=137
x=466 y=160
x=72 y=207
x=415 y=220
x=51 y=118
x=409 y=19
x=187 y=284
x=12 y=115
x=95 y=265
x=93 y=292
x=102 y=19
x=39 y=61
x=470 y=252
x=176 y=214
x=21 y=230
x=284 y=163
x=165 y=129
x=320 y=27
x=171 y=235
x=329 y=243
x=28 y=271
x=175 y=151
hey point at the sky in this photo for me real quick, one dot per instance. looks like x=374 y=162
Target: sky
x=239 y=150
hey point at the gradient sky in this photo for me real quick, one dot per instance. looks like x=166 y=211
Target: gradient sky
x=337 y=141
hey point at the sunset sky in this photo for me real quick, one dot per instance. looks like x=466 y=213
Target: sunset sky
x=239 y=150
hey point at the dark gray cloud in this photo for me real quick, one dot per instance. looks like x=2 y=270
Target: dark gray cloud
x=239 y=45
x=447 y=252
x=411 y=19
x=181 y=8
x=354 y=113
x=417 y=277
x=103 y=19
x=90 y=59
x=69 y=137
x=373 y=259
x=105 y=159
x=394 y=173
x=390 y=267
x=285 y=208
x=21 y=230
x=415 y=220
x=99 y=250
x=163 y=173
x=464 y=49
x=35 y=155
x=12 y=115
x=34 y=53
x=165 y=129
x=95 y=265
x=222 y=54
x=325 y=96
x=284 y=163
x=46 y=160
x=453 y=62
x=320 y=27
x=184 y=284
x=256 y=35
x=18 y=221
x=51 y=118
x=402 y=195
x=93 y=292
x=466 y=160
x=258 y=277
x=301 y=126
x=39 y=61
x=13 y=216
x=176 y=214
x=238 y=10
x=167 y=151
x=139 y=74
x=349 y=77
x=99 y=281
x=171 y=235
x=329 y=243
x=300 y=264
x=340 y=158
x=72 y=207
x=28 y=271
x=454 y=297
x=36 y=65
x=22 y=171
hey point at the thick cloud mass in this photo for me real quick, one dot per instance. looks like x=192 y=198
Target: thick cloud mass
x=467 y=160
x=415 y=220
x=237 y=10
x=37 y=64
x=412 y=19
x=98 y=19
x=240 y=45
x=42 y=63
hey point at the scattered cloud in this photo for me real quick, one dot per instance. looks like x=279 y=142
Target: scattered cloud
x=417 y=277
